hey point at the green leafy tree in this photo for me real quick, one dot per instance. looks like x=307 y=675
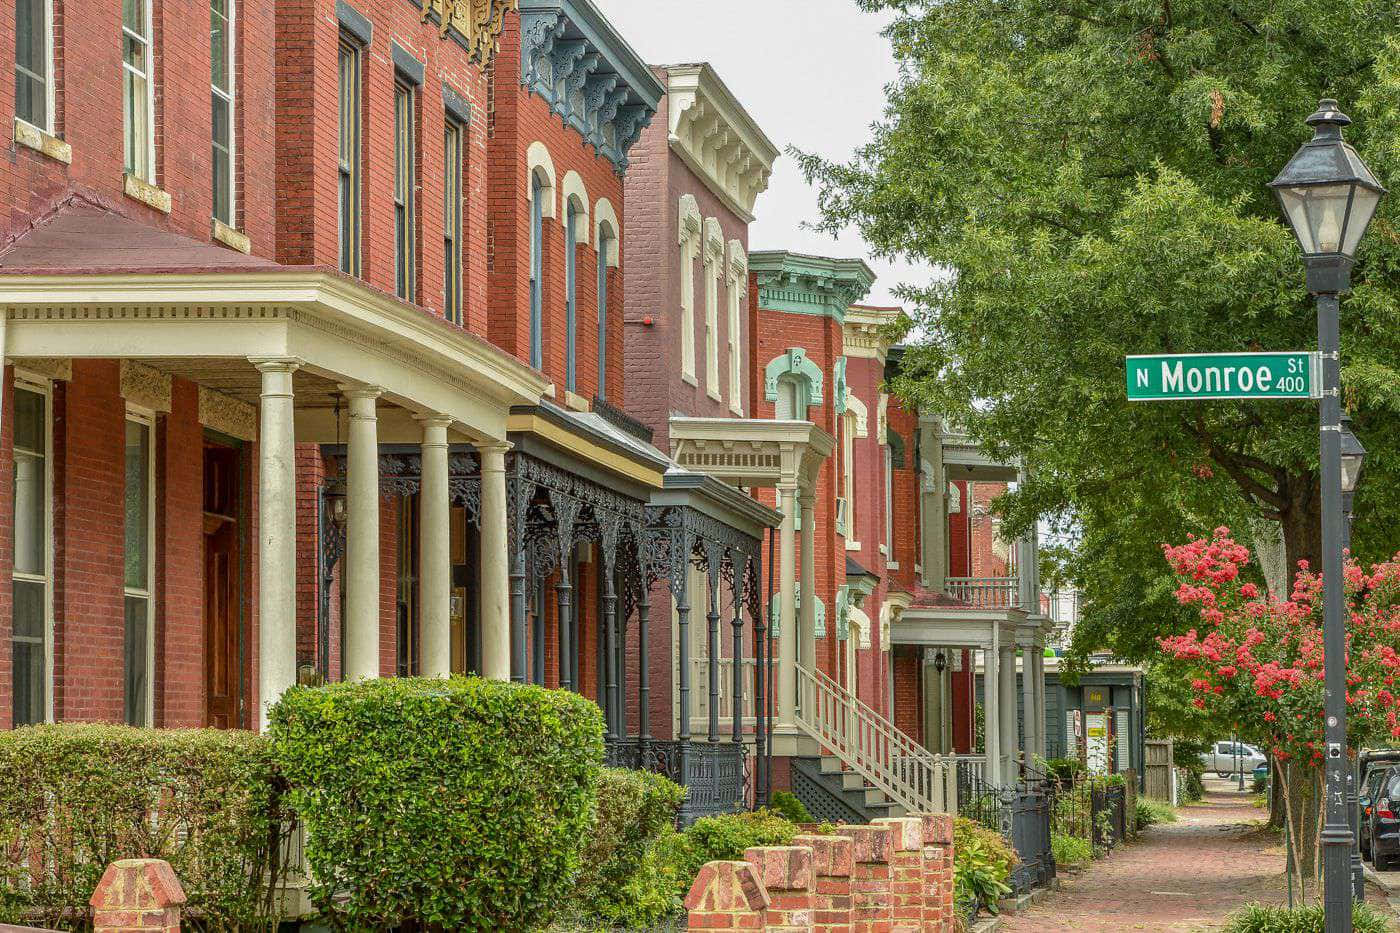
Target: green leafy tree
x=1092 y=174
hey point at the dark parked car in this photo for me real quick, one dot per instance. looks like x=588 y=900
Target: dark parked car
x=1366 y=802
x=1375 y=768
x=1385 y=820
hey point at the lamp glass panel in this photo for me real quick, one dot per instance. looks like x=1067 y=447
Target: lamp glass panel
x=1317 y=215
x=1363 y=206
x=1351 y=472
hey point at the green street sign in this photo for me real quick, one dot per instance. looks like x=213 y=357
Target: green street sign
x=1194 y=376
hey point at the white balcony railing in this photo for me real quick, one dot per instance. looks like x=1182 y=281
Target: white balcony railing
x=985 y=592
x=700 y=693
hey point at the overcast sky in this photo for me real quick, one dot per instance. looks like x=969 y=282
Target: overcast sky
x=810 y=72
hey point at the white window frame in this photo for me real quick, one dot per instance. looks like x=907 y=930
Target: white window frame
x=734 y=294
x=889 y=501
x=231 y=97
x=689 y=239
x=38 y=384
x=50 y=98
x=714 y=254
x=147 y=417
x=848 y=481
x=146 y=41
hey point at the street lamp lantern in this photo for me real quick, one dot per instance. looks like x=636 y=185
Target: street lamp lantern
x=1329 y=196
x=1353 y=456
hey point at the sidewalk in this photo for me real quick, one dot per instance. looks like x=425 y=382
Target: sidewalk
x=1183 y=876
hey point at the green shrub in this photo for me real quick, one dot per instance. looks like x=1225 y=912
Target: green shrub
x=77 y=797
x=1070 y=850
x=1151 y=811
x=982 y=863
x=458 y=803
x=1258 y=784
x=725 y=837
x=1256 y=918
x=635 y=808
x=1192 y=790
x=786 y=804
x=1063 y=769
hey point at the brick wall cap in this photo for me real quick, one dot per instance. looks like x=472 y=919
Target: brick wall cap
x=937 y=828
x=872 y=843
x=786 y=868
x=907 y=832
x=727 y=886
x=832 y=856
x=138 y=884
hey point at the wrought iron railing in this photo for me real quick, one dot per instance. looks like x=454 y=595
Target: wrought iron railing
x=874 y=747
x=715 y=774
x=985 y=592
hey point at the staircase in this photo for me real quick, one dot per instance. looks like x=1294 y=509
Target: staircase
x=867 y=766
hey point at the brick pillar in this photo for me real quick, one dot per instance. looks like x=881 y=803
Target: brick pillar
x=833 y=860
x=872 y=902
x=786 y=874
x=938 y=871
x=137 y=896
x=727 y=897
x=906 y=869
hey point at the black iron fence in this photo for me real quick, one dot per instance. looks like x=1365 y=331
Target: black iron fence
x=1022 y=814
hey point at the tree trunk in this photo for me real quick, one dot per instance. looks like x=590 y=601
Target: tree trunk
x=1277 y=810
x=1271 y=555
x=1301 y=523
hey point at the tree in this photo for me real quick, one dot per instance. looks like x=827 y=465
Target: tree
x=1256 y=660
x=1092 y=174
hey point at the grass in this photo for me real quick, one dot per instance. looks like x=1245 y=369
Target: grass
x=1150 y=811
x=1257 y=918
x=1070 y=850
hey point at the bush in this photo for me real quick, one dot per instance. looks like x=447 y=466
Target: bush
x=982 y=862
x=724 y=838
x=1063 y=770
x=635 y=808
x=458 y=803
x=1151 y=811
x=786 y=805
x=1256 y=918
x=77 y=797
x=1192 y=789
x=1258 y=784
x=1070 y=850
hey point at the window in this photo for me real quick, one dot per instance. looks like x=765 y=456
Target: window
x=453 y=135
x=736 y=394
x=349 y=158
x=536 y=272
x=689 y=239
x=889 y=503
x=848 y=456
x=570 y=296
x=221 y=98
x=137 y=655
x=789 y=400
x=33 y=63
x=605 y=247
x=30 y=577
x=405 y=180
x=137 y=100
x=712 y=272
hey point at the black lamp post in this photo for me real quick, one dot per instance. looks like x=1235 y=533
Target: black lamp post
x=1353 y=455
x=1329 y=196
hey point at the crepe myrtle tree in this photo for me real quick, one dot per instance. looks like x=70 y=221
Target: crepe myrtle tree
x=1256 y=660
x=1093 y=179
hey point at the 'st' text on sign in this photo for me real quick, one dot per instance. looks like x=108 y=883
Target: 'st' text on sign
x=1194 y=376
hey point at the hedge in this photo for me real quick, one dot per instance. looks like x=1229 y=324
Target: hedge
x=461 y=803
x=635 y=809
x=74 y=798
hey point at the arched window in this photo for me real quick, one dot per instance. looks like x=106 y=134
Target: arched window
x=570 y=294
x=789 y=402
x=605 y=248
x=537 y=190
x=792 y=367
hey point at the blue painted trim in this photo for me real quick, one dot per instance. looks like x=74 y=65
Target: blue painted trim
x=457 y=108
x=354 y=22
x=405 y=64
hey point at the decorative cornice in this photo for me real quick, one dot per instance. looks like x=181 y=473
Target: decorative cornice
x=475 y=24
x=571 y=56
x=145 y=386
x=738 y=263
x=868 y=331
x=716 y=137
x=714 y=240
x=795 y=283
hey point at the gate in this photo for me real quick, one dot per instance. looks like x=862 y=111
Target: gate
x=1025 y=816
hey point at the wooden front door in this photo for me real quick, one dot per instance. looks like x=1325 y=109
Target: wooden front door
x=221 y=577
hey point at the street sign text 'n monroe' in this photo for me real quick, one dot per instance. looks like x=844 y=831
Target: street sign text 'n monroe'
x=1223 y=375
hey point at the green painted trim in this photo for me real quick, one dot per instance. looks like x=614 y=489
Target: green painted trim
x=843 y=613
x=793 y=361
x=838 y=386
x=796 y=283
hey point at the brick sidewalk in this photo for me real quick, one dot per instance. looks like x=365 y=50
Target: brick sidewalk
x=1184 y=876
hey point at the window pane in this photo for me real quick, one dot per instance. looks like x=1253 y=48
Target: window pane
x=135 y=645
x=134 y=16
x=137 y=504
x=218 y=44
x=29 y=421
x=31 y=62
x=137 y=128
x=28 y=653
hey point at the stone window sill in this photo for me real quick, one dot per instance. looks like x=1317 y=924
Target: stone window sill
x=714 y=395
x=576 y=402
x=147 y=193
x=30 y=136
x=233 y=239
x=853 y=545
x=690 y=378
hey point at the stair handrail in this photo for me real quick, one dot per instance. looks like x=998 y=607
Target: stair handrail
x=872 y=746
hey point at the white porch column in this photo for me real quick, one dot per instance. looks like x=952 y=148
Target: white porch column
x=495 y=568
x=277 y=536
x=1041 y=728
x=434 y=551
x=933 y=702
x=1006 y=669
x=991 y=708
x=808 y=647
x=361 y=650
x=1028 y=742
x=787 y=612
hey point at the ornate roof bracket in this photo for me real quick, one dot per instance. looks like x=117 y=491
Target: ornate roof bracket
x=577 y=63
x=473 y=24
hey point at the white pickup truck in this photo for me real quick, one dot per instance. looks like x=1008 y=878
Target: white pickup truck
x=1226 y=758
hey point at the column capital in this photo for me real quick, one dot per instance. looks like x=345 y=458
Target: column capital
x=434 y=420
x=357 y=391
x=495 y=447
x=807 y=499
x=275 y=364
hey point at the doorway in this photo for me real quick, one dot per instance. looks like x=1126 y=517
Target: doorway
x=222 y=572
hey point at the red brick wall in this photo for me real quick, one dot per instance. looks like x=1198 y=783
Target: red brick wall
x=520 y=118
x=179 y=554
x=89 y=117
x=908 y=691
x=960 y=533
x=990 y=558
x=908 y=504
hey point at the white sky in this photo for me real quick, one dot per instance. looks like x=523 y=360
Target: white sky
x=811 y=73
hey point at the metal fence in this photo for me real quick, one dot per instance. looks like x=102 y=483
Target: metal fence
x=1023 y=814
